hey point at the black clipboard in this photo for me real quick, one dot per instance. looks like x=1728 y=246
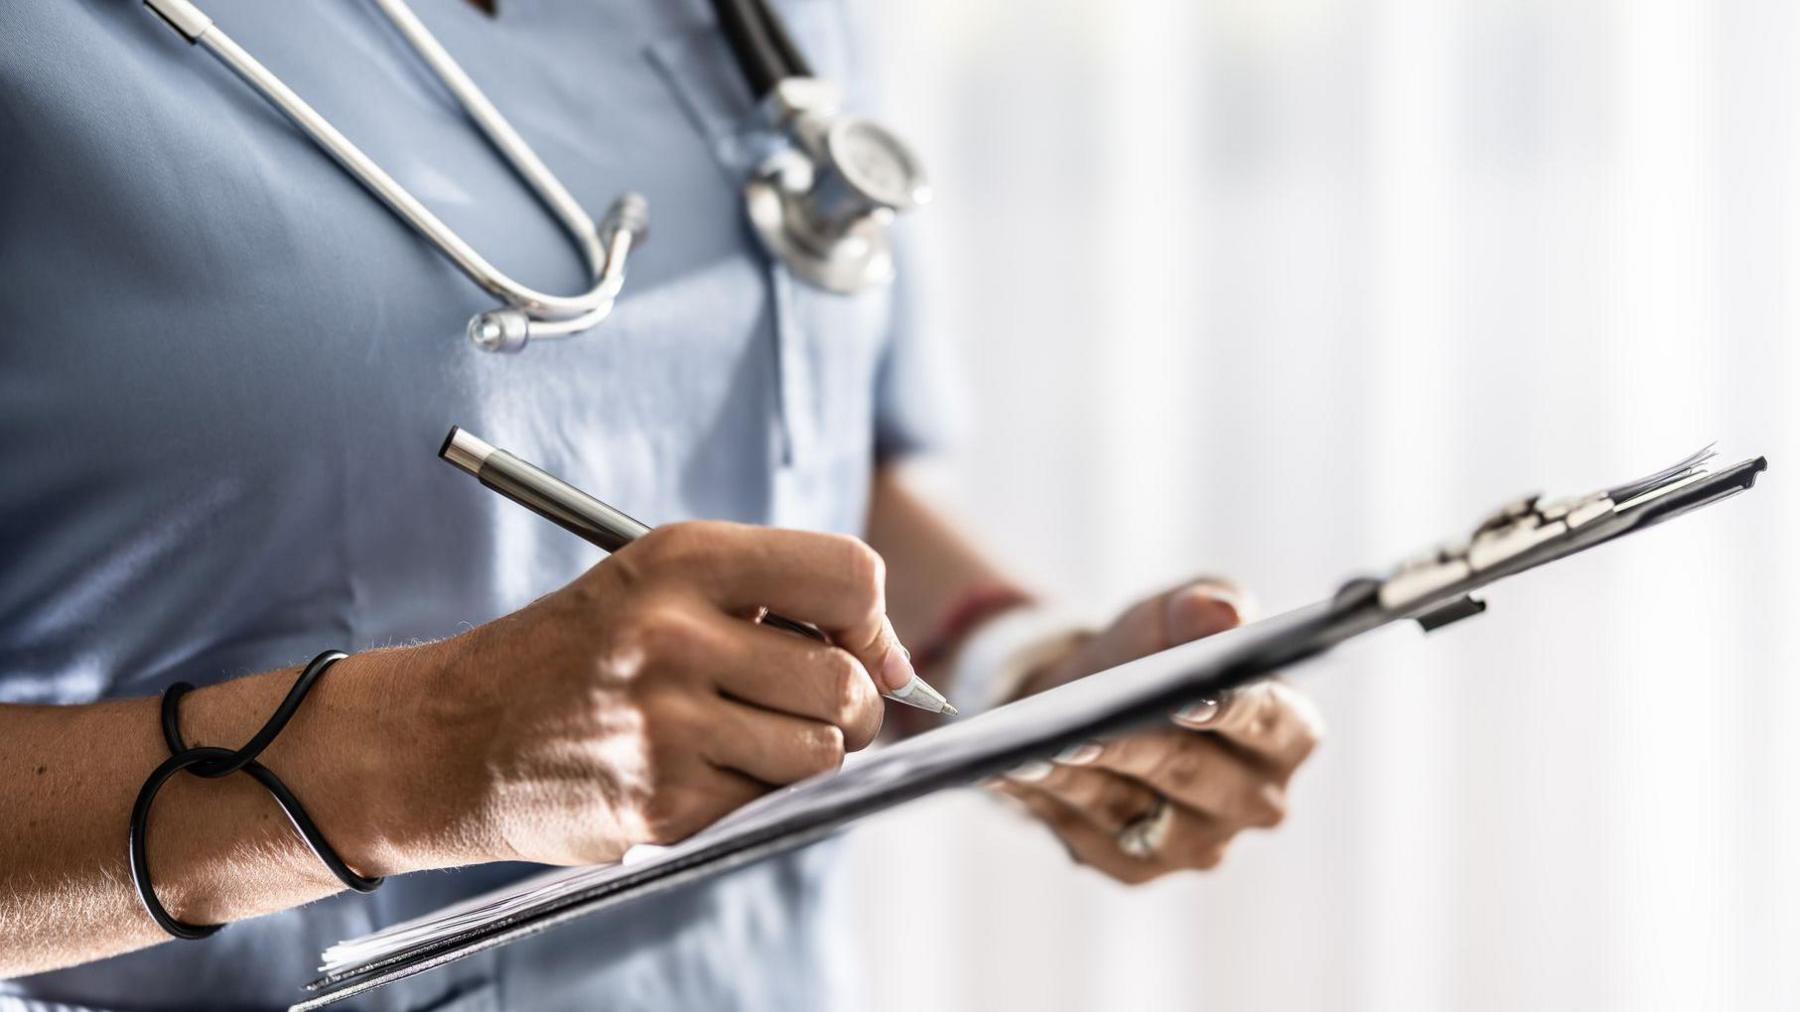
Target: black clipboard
x=1435 y=590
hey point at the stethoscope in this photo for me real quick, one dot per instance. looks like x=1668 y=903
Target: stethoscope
x=822 y=204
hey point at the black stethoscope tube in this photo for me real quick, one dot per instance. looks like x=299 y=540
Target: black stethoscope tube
x=764 y=50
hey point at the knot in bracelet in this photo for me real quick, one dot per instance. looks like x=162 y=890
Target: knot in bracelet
x=211 y=763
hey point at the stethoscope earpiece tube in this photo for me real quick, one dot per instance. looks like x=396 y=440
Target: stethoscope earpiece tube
x=509 y=329
x=765 y=53
x=822 y=207
x=545 y=315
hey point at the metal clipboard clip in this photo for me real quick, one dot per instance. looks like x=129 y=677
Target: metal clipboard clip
x=1514 y=528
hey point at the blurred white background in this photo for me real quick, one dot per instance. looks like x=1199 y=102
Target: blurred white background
x=1284 y=288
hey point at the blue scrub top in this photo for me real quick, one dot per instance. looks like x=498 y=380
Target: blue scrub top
x=227 y=371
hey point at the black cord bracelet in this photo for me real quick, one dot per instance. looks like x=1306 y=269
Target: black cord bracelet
x=212 y=763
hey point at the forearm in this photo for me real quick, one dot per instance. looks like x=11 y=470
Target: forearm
x=633 y=705
x=220 y=850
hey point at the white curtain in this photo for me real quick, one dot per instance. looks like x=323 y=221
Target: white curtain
x=1284 y=289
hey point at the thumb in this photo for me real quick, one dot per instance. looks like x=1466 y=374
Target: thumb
x=1203 y=609
x=1157 y=623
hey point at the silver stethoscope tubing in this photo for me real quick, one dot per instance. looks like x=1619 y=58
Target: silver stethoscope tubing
x=822 y=205
x=528 y=314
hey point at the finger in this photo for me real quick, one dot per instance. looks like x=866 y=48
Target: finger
x=782 y=672
x=1086 y=843
x=1112 y=802
x=715 y=793
x=1108 y=800
x=1270 y=719
x=835 y=582
x=1193 y=771
x=1201 y=609
x=1187 y=613
x=1195 y=841
x=773 y=748
x=830 y=580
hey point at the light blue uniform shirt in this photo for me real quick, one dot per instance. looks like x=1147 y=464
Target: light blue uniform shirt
x=226 y=372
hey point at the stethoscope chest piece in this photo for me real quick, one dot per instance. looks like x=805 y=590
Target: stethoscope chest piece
x=823 y=205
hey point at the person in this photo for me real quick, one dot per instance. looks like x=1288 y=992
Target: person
x=226 y=376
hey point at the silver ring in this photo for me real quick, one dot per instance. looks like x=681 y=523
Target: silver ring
x=1143 y=836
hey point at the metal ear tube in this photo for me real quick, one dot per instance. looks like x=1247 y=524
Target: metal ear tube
x=526 y=313
x=511 y=328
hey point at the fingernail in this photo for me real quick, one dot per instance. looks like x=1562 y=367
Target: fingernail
x=1031 y=772
x=896 y=668
x=1233 y=599
x=1081 y=754
x=1199 y=713
x=1223 y=611
x=1202 y=610
x=1241 y=601
x=895 y=671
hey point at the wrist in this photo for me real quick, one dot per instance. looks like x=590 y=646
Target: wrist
x=366 y=745
x=419 y=793
x=1052 y=664
x=1015 y=654
x=331 y=755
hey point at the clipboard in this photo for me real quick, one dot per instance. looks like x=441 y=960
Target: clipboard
x=1435 y=589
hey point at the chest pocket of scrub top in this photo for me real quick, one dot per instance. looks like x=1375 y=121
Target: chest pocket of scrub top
x=828 y=347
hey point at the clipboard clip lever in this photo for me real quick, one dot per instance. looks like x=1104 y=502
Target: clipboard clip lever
x=1514 y=528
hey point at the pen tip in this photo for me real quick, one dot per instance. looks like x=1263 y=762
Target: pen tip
x=948 y=710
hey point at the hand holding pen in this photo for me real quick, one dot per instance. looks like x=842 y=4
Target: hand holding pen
x=607 y=528
x=638 y=703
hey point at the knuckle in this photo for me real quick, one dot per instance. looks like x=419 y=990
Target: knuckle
x=1266 y=711
x=660 y=542
x=1069 y=786
x=1178 y=768
x=818 y=748
x=1266 y=807
x=672 y=546
x=623 y=570
x=1120 y=802
x=1207 y=857
x=667 y=632
x=855 y=706
x=826 y=749
x=865 y=571
x=846 y=683
x=1308 y=720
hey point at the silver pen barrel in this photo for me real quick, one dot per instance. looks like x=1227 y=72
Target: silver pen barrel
x=542 y=492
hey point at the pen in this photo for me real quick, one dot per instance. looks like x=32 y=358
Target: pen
x=610 y=530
